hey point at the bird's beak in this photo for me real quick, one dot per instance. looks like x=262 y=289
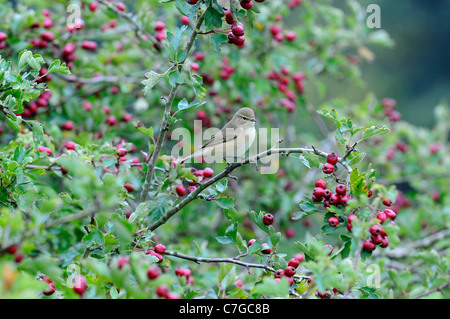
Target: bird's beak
x=254 y=120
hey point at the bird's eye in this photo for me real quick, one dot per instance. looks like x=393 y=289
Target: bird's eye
x=245 y=118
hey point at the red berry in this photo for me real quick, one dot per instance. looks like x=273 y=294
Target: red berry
x=349 y=227
x=159 y=26
x=299 y=257
x=368 y=245
x=341 y=189
x=153 y=273
x=327 y=193
x=192 y=2
x=238 y=29
x=239 y=40
x=294 y=262
x=381 y=216
x=191 y=189
x=184 y=20
x=351 y=218
x=290 y=35
x=250 y=242
x=70 y=146
x=268 y=219
x=181 y=190
x=122 y=262
x=80 y=285
x=160 y=249
x=89 y=45
x=68 y=125
x=387 y=202
x=3 y=36
x=375 y=230
x=247 y=5
x=390 y=214
x=93 y=6
x=384 y=242
x=335 y=199
x=129 y=187
x=162 y=291
x=43 y=149
x=333 y=221
x=321 y=183
x=48 y=36
x=13 y=249
x=111 y=121
x=376 y=239
x=316 y=199
x=328 y=168
x=318 y=192
x=279 y=273
x=266 y=249
x=152 y=253
x=289 y=271
x=18 y=258
x=120 y=6
x=208 y=172
x=332 y=158
x=344 y=199
x=228 y=17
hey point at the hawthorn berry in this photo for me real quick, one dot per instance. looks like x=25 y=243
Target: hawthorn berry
x=368 y=245
x=129 y=187
x=289 y=271
x=387 y=202
x=250 y=242
x=279 y=273
x=192 y=2
x=12 y=249
x=316 y=199
x=390 y=214
x=181 y=190
x=375 y=230
x=237 y=29
x=239 y=40
x=162 y=291
x=51 y=286
x=68 y=125
x=89 y=45
x=247 y=5
x=328 y=168
x=208 y=172
x=332 y=158
x=153 y=272
x=191 y=189
x=335 y=199
x=80 y=285
x=157 y=255
x=318 y=192
x=384 y=242
x=321 y=183
x=344 y=199
x=327 y=193
x=381 y=216
x=268 y=219
x=341 y=189
x=294 y=262
x=122 y=262
x=265 y=249
x=299 y=257
x=333 y=221
x=160 y=249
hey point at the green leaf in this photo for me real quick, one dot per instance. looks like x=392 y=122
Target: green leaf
x=175 y=78
x=144 y=130
x=183 y=104
x=34 y=64
x=217 y=40
x=213 y=18
x=225 y=202
x=152 y=79
x=23 y=58
x=372 y=131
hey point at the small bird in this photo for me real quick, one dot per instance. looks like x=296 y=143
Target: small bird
x=233 y=140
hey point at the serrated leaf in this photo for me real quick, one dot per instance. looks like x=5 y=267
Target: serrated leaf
x=175 y=78
x=372 y=131
x=152 y=79
x=217 y=40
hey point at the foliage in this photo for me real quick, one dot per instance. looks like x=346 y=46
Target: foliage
x=88 y=186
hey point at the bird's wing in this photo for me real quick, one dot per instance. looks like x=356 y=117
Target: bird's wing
x=221 y=138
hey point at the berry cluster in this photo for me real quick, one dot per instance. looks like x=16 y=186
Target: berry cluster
x=236 y=35
x=329 y=166
x=200 y=176
x=389 y=105
x=14 y=250
x=282 y=80
x=322 y=193
x=290 y=270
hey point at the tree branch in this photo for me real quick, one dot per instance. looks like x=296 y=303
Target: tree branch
x=165 y=120
x=226 y=172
